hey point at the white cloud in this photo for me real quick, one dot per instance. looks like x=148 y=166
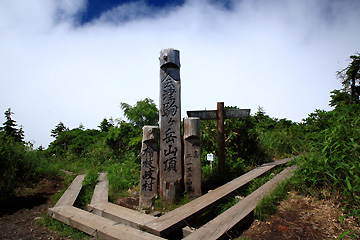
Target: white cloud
x=281 y=55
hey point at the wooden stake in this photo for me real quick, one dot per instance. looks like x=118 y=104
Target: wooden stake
x=221 y=137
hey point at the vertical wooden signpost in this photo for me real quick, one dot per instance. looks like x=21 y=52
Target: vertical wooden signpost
x=149 y=166
x=220 y=115
x=192 y=153
x=170 y=118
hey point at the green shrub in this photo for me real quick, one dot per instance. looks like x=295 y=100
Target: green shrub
x=20 y=166
x=123 y=175
x=334 y=162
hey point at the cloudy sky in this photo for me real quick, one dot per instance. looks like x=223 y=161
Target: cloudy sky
x=75 y=61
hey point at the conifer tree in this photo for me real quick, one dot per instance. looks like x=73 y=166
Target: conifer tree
x=9 y=127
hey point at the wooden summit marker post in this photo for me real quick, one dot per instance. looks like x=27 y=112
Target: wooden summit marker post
x=169 y=119
x=220 y=115
x=149 y=166
x=192 y=160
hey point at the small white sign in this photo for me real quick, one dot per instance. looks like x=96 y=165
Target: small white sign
x=210 y=157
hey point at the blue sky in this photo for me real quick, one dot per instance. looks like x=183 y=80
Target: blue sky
x=95 y=8
x=75 y=61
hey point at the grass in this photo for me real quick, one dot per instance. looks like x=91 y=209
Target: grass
x=250 y=187
x=268 y=205
x=163 y=206
x=63 y=230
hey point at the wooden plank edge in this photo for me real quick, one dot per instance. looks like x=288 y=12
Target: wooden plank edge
x=154 y=228
x=214 y=230
x=97 y=226
x=101 y=191
x=120 y=214
x=72 y=192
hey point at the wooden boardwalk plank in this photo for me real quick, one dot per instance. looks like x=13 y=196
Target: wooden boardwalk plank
x=101 y=190
x=220 y=225
x=121 y=214
x=97 y=226
x=70 y=195
x=100 y=206
x=171 y=221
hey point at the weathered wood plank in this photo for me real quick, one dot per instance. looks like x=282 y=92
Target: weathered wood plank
x=78 y=219
x=100 y=206
x=212 y=114
x=120 y=214
x=101 y=190
x=97 y=226
x=173 y=220
x=203 y=115
x=219 y=226
x=237 y=113
x=70 y=195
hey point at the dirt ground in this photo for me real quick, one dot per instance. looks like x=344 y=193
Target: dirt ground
x=301 y=217
x=298 y=217
x=18 y=220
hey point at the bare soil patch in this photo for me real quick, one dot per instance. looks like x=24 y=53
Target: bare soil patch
x=18 y=218
x=302 y=217
x=129 y=202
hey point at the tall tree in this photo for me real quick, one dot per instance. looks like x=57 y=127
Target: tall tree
x=105 y=125
x=58 y=129
x=351 y=78
x=144 y=112
x=9 y=127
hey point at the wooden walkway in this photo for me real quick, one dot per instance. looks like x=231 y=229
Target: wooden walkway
x=174 y=220
x=100 y=206
x=109 y=221
x=89 y=223
x=223 y=223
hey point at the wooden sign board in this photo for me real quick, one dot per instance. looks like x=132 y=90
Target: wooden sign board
x=212 y=114
x=220 y=114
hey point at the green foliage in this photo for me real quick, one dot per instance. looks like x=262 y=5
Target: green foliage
x=87 y=189
x=350 y=80
x=64 y=231
x=9 y=128
x=125 y=137
x=123 y=175
x=73 y=141
x=228 y=204
x=279 y=138
x=143 y=113
x=105 y=125
x=242 y=149
x=163 y=206
x=58 y=129
x=339 y=98
x=20 y=166
x=333 y=162
x=268 y=205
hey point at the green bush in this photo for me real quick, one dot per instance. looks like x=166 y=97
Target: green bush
x=123 y=175
x=333 y=163
x=20 y=166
